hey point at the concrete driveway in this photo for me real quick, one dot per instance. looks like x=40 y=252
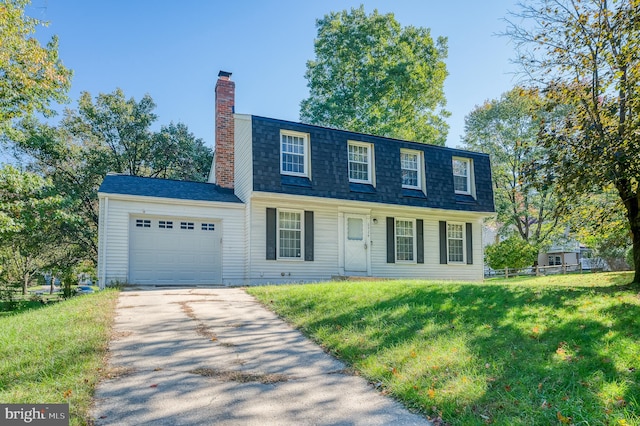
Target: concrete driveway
x=216 y=356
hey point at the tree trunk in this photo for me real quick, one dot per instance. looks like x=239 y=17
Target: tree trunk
x=25 y=283
x=631 y=202
x=635 y=235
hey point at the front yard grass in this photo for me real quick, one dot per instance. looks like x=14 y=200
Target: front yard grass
x=546 y=350
x=55 y=353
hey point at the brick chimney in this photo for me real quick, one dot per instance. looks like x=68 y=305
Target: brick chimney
x=224 y=153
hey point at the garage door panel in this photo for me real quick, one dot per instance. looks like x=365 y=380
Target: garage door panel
x=162 y=255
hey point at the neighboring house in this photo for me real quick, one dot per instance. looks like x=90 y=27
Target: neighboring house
x=291 y=202
x=560 y=255
x=572 y=254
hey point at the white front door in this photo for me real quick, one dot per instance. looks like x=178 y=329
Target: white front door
x=355 y=243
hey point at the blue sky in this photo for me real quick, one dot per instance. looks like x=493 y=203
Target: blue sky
x=174 y=50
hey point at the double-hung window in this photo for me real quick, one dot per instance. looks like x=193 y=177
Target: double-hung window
x=411 y=164
x=405 y=240
x=455 y=242
x=462 y=176
x=294 y=153
x=289 y=234
x=360 y=162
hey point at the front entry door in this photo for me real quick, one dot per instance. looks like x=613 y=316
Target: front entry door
x=355 y=244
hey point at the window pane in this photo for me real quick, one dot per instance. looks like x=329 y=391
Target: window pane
x=359 y=162
x=358 y=171
x=290 y=244
x=409 y=178
x=354 y=228
x=455 y=237
x=460 y=184
x=455 y=251
x=461 y=175
x=460 y=168
x=293 y=152
x=290 y=234
x=409 y=163
x=404 y=240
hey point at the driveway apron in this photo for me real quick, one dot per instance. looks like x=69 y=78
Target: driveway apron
x=203 y=356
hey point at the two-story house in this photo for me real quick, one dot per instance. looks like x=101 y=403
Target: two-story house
x=292 y=202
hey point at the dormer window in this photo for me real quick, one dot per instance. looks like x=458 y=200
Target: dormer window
x=360 y=162
x=294 y=153
x=411 y=164
x=462 y=176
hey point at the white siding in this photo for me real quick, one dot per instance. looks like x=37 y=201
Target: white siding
x=243 y=154
x=325 y=263
x=431 y=268
x=327 y=260
x=101 y=241
x=114 y=255
x=243 y=185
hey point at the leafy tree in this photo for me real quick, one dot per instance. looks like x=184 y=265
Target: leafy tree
x=507 y=129
x=512 y=253
x=373 y=76
x=75 y=171
x=31 y=76
x=585 y=55
x=116 y=131
x=177 y=154
x=34 y=231
x=118 y=127
x=599 y=222
x=111 y=134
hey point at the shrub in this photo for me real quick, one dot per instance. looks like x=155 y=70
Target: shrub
x=514 y=252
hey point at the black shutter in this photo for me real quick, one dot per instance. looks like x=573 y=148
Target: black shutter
x=469 y=234
x=420 y=240
x=391 y=240
x=308 y=236
x=271 y=234
x=443 y=242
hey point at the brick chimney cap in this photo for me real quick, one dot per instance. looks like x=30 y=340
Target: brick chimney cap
x=226 y=74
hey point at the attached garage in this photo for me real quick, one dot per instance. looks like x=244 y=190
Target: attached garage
x=167 y=232
x=174 y=250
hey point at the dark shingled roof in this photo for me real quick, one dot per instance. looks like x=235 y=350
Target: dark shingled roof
x=166 y=188
x=330 y=169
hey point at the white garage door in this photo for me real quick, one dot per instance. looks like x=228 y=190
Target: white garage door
x=170 y=250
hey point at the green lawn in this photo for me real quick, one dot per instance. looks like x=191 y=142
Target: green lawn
x=546 y=350
x=55 y=353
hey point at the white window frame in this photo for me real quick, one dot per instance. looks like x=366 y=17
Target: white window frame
x=464 y=244
x=306 y=162
x=468 y=177
x=419 y=162
x=278 y=229
x=370 y=162
x=413 y=237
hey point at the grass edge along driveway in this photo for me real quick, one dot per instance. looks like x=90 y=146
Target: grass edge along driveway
x=547 y=350
x=56 y=353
